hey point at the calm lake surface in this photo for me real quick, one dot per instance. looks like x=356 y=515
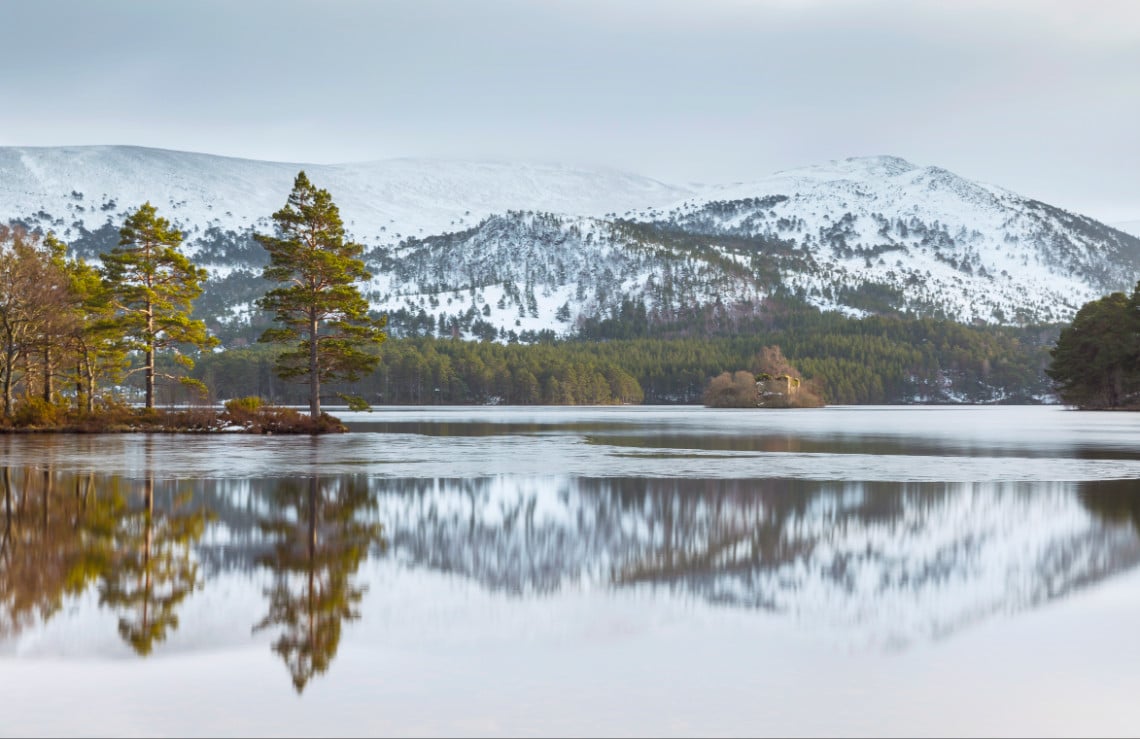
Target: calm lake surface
x=644 y=570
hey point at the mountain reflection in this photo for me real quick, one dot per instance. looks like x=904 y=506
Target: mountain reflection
x=890 y=562
x=319 y=542
x=894 y=562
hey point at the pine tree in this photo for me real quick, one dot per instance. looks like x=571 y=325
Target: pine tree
x=1095 y=361
x=153 y=286
x=319 y=308
x=97 y=342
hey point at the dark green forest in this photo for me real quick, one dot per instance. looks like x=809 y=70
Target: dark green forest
x=854 y=361
x=1096 y=362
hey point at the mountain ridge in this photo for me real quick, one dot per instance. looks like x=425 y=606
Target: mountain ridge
x=544 y=247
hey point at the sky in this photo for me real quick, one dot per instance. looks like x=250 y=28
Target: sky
x=1039 y=96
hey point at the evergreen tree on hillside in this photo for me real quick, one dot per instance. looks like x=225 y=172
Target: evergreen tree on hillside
x=321 y=313
x=153 y=286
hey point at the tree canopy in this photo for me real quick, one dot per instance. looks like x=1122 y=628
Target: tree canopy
x=1096 y=361
x=153 y=287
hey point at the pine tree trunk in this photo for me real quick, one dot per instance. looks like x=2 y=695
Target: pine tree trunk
x=314 y=375
x=90 y=388
x=149 y=357
x=150 y=378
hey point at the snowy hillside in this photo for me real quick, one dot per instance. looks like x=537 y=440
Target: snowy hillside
x=922 y=238
x=486 y=249
x=517 y=271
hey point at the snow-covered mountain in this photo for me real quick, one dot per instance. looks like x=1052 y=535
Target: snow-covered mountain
x=488 y=248
x=85 y=187
x=880 y=229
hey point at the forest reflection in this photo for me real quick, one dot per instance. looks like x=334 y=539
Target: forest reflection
x=1115 y=501
x=930 y=556
x=131 y=540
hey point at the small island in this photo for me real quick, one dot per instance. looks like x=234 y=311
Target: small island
x=240 y=415
x=773 y=383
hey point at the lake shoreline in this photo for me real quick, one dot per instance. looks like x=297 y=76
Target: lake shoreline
x=233 y=419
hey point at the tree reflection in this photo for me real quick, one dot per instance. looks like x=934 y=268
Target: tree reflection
x=1115 y=501
x=151 y=568
x=42 y=554
x=320 y=544
x=63 y=532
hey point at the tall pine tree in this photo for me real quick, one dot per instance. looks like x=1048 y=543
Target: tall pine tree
x=153 y=286
x=318 y=307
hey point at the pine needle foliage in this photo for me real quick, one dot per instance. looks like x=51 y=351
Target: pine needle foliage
x=153 y=287
x=319 y=310
x=1096 y=361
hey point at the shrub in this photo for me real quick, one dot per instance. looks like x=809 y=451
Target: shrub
x=732 y=390
x=38 y=413
x=251 y=415
x=248 y=404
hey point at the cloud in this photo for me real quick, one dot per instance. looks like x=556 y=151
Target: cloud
x=1037 y=95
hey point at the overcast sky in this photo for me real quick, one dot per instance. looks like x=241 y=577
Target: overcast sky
x=1041 y=96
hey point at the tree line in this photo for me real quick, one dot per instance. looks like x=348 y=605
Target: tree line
x=848 y=361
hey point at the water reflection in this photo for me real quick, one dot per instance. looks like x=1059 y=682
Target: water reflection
x=319 y=541
x=146 y=563
x=888 y=562
x=132 y=539
x=43 y=559
x=1116 y=501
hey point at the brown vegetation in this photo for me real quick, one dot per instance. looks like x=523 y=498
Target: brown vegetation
x=732 y=390
x=775 y=384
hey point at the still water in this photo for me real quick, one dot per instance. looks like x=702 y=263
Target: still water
x=567 y=571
